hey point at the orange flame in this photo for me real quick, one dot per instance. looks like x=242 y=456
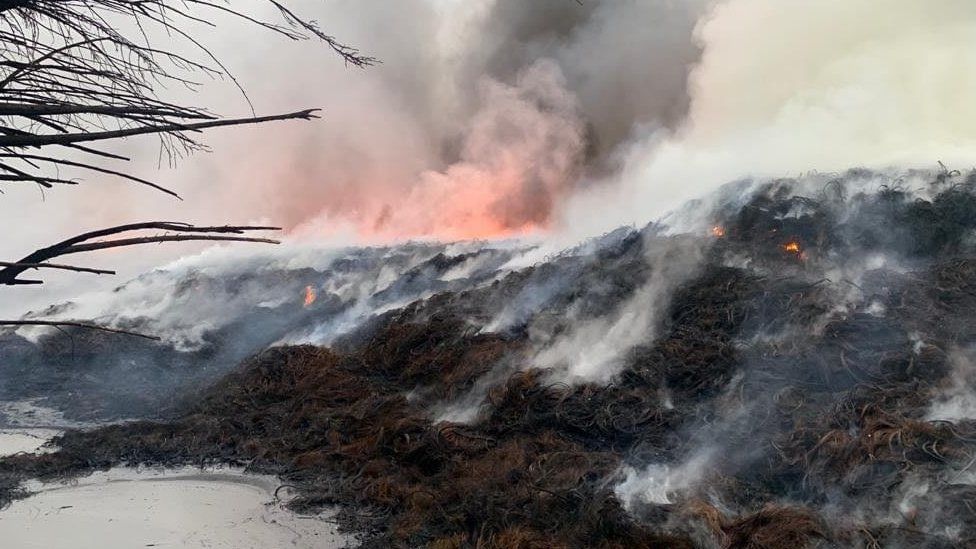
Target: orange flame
x=718 y=232
x=310 y=296
x=792 y=247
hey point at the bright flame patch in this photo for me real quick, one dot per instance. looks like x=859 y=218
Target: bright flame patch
x=310 y=296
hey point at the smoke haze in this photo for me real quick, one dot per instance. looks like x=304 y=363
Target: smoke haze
x=535 y=132
x=503 y=117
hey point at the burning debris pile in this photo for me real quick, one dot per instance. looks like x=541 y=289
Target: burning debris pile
x=797 y=373
x=212 y=314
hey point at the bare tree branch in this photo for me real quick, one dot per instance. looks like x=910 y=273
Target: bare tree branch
x=69 y=76
x=31 y=158
x=83 y=243
x=57 y=267
x=30 y=109
x=69 y=138
x=73 y=324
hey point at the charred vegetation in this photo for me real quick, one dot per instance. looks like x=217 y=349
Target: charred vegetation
x=806 y=375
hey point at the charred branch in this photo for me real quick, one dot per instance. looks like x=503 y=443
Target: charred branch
x=71 y=138
x=56 y=266
x=72 y=324
x=93 y=241
x=69 y=76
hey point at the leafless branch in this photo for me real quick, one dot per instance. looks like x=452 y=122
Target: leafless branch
x=69 y=75
x=92 y=241
x=56 y=267
x=69 y=138
x=72 y=324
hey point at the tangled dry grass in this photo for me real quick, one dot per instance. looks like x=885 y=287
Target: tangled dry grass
x=815 y=402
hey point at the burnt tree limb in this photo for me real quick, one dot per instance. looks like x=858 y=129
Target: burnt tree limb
x=74 y=324
x=101 y=239
x=35 y=140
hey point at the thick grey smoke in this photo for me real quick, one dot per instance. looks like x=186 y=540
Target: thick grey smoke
x=642 y=104
x=483 y=118
x=783 y=88
x=443 y=106
x=626 y=61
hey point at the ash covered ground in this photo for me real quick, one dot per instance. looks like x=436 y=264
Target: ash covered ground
x=787 y=363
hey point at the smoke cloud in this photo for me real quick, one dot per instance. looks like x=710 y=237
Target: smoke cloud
x=517 y=158
x=596 y=349
x=462 y=89
x=502 y=117
x=511 y=110
x=958 y=401
x=784 y=88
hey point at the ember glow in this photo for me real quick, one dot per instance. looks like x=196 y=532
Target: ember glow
x=718 y=231
x=792 y=247
x=310 y=296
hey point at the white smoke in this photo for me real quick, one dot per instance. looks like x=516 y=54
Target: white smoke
x=659 y=484
x=784 y=87
x=427 y=123
x=676 y=97
x=189 y=299
x=595 y=349
x=957 y=402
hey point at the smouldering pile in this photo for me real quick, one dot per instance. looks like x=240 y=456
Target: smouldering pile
x=807 y=385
